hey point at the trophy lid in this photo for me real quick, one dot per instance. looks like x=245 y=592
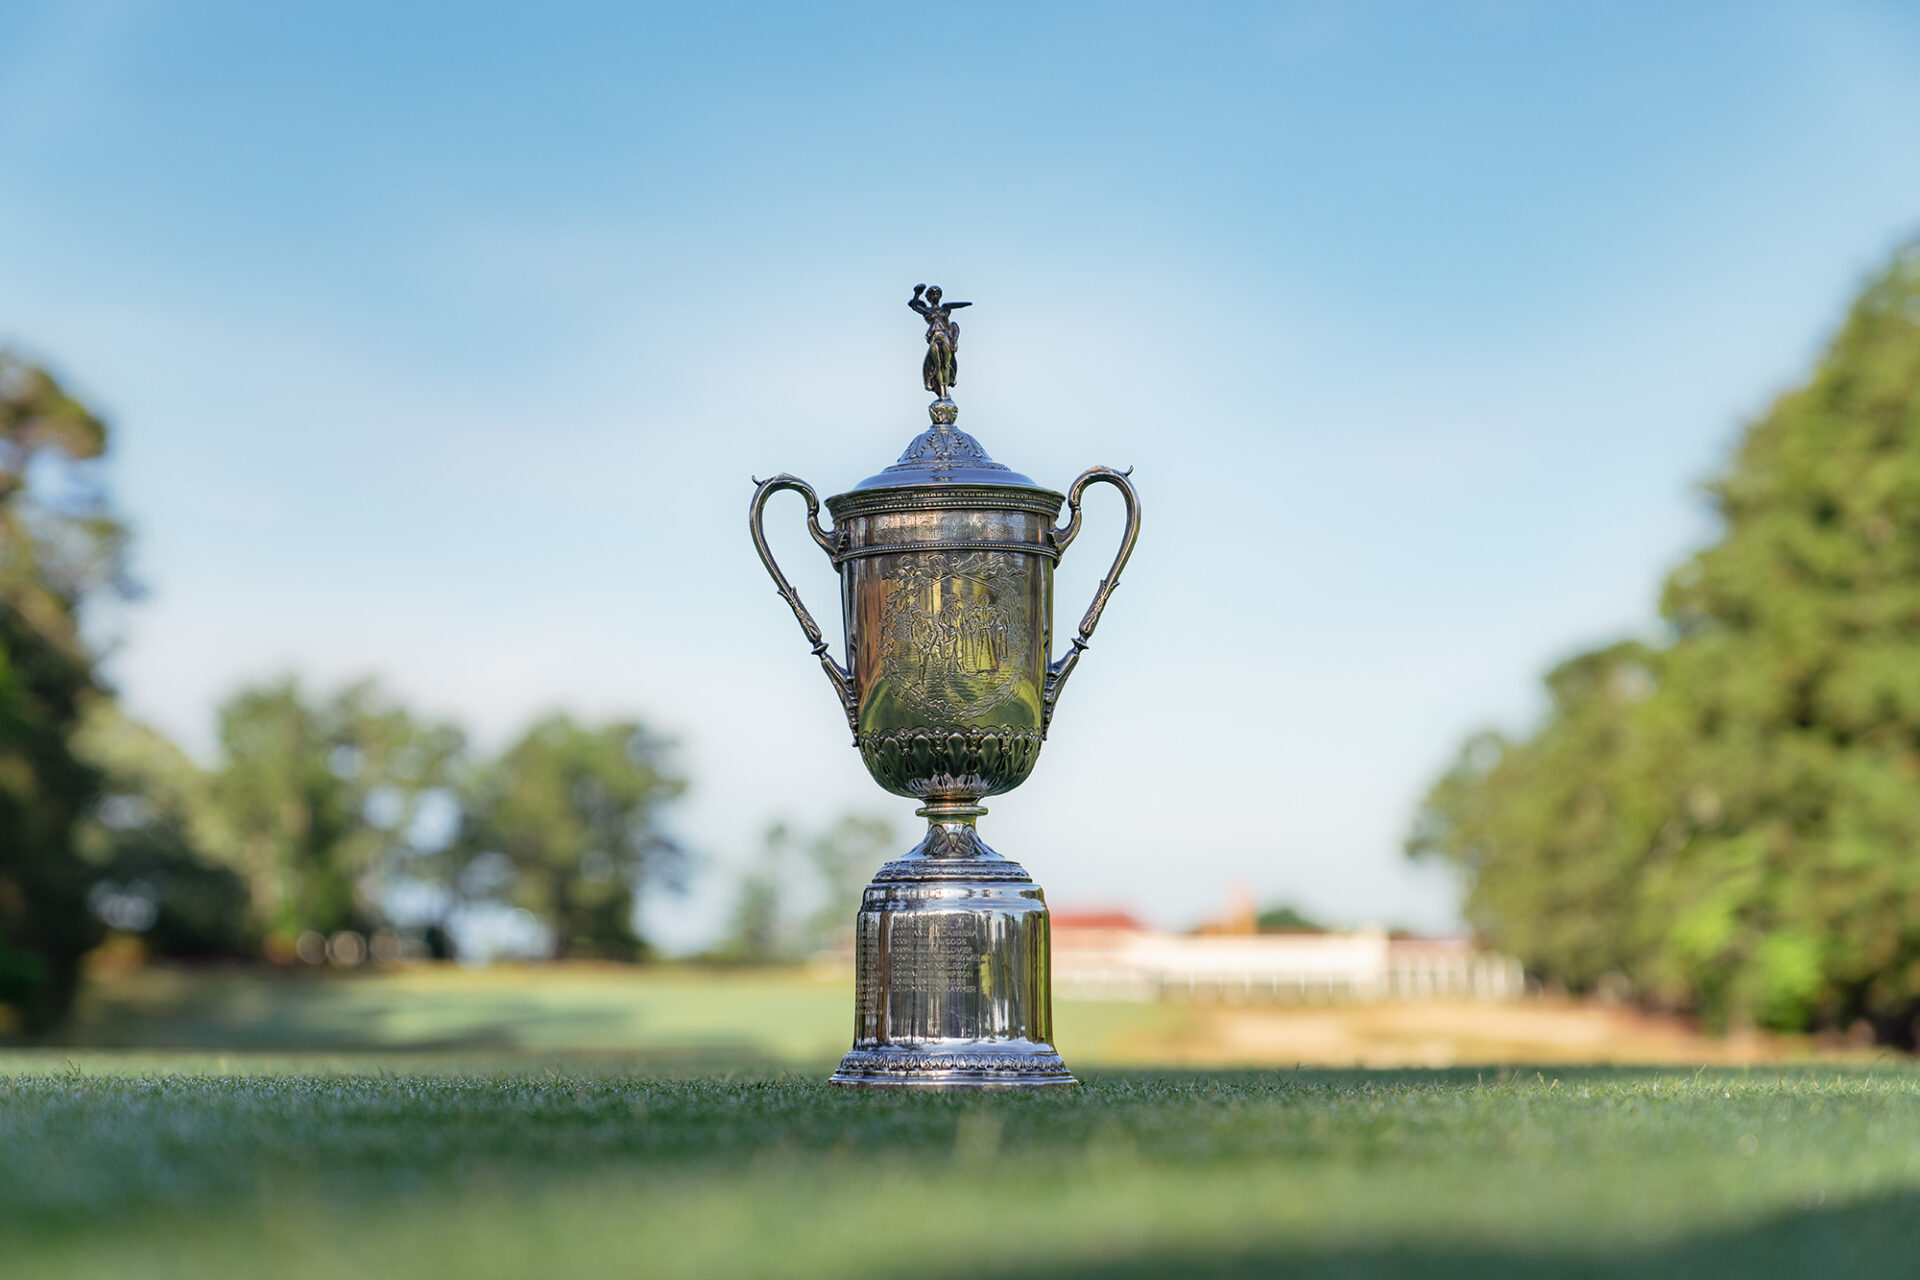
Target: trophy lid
x=943 y=454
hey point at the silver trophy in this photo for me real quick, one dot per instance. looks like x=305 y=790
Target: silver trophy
x=946 y=572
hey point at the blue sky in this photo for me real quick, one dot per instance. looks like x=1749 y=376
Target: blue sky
x=441 y=342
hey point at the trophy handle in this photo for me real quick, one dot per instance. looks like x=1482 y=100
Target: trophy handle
x=1061 y=538
x=839 y=676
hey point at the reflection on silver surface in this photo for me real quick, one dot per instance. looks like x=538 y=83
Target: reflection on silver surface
x=946 y=570
x=952 y=985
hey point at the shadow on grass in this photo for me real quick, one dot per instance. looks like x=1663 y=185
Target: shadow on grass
x=1867 y=1238
x=739 y=1019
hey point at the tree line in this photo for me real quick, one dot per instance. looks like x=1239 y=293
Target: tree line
x=323 y=816
x=1725 y=819
x=1722 y=819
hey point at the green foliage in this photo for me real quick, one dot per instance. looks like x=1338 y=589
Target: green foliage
x=320 y=807
x=757 y=931
x=58 y=544
x=840 y=857
x=843 y=858
x=1285 y=918
x=314 y=798
x=45 y=925
x=152 y=840
x=567 y=822
x=317 y=806
x=1728 y=819
x=58 y=536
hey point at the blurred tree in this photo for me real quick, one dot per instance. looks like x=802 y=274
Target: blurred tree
x=45 y=925
x=59 y=546
x=844 y=857
x=318 y=800
x=567 y=824
x=757 y=930
x=149 y=841
x=1727 y=821
x=1285 y=918
x=841 y=857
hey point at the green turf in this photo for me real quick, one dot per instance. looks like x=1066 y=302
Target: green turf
x=110 y=1167
x=674 y=1014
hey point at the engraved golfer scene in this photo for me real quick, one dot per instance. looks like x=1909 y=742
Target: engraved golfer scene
x=952 y=630
x=1321 y=679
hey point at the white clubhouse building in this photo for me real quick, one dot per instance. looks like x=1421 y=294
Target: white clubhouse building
x=1112 y=956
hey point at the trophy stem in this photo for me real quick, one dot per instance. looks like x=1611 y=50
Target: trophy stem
x=951 y=832
x=952 y=968
x=960 y=809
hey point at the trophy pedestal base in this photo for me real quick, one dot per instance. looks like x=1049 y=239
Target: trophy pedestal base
x=949 y=1068
x=952 y=983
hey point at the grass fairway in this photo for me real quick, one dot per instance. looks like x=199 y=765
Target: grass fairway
x=791 y=1019
x=390 y=1168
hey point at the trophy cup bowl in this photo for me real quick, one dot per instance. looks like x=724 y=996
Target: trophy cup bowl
x=946 y=571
